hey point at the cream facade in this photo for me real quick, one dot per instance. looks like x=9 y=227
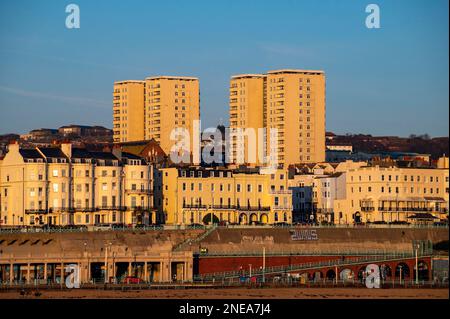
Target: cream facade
x=202 y=196
x=390 y=194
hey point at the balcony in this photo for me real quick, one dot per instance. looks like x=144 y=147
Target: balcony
x=405 y=209
x=224 y=207
x=367 y=209
x=281 y=192
x=85 y=209
x=252 y=208
x=195 y=206
x=121 y=208
x=139 y=191
x=61 y=210
x=36 y=211
x=282 y=207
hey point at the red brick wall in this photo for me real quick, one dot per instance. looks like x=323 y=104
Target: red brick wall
x=220 y=264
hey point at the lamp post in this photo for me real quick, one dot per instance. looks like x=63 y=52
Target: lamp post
x=106 y=261
x=86 y=256
x=264 y=266
x=417 y=246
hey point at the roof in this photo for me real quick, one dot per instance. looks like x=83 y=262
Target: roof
x=128 y=81
x=427 y=216
x=30 y=153
x=103 y=156
x=243 y=76
x=167 y=77
x=52 y=152
x=81 y=153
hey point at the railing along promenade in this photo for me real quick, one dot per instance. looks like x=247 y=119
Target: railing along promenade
x=307 y=266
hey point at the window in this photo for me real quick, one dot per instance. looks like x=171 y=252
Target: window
x=259 y=188
x=55 y=173
x=55 y=188
x=238 y=188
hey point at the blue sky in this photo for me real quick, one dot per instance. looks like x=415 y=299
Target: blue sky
x=388 y=81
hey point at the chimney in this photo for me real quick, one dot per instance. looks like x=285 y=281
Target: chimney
x=13 y=146
x=66 y=148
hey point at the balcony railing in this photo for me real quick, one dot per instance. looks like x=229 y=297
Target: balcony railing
x=281 y=192
x=406 y=209
x=253 y=208
x=139 y=191
x=282 y=207
x=223 y=207
x=61 y=210
x=195 y=206
x=121 y=208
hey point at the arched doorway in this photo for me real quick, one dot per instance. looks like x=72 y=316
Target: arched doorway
x=403 y=270
x=330 y=275
x=243 y=219
x=357 y=217
x=423 y=271
x=210 y=217
x=253 y=218
x=264 y=219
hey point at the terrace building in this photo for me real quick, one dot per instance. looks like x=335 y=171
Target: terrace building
x=73 y=186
